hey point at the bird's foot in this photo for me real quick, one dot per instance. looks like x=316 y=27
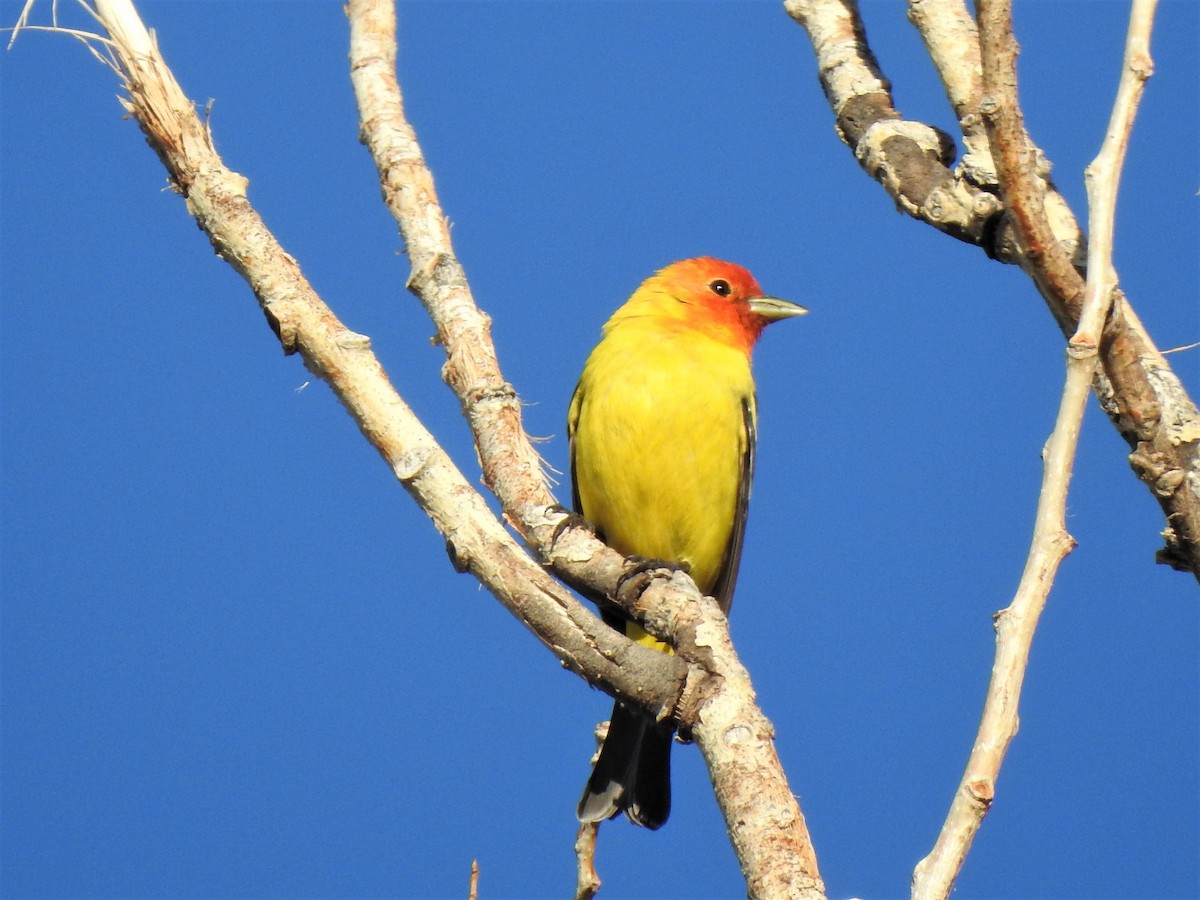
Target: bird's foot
x=640 y=574
x=570 y=519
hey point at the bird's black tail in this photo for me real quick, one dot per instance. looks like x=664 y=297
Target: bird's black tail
x=633 y=772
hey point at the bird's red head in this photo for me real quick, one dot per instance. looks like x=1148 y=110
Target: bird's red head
x=719 y=298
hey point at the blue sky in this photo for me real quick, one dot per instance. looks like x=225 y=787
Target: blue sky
x=236 y=661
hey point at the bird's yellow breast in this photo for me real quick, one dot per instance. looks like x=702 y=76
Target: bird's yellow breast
x=659 y=443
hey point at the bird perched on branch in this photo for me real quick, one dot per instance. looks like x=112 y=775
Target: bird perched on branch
x=662 y=429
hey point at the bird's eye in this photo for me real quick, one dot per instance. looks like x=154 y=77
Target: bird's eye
x=720 y=287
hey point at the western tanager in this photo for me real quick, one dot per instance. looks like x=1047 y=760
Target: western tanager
x=661 y=430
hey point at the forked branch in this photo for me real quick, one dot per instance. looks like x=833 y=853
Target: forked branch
x=1033 y=228
x=216 y=197
x=765 y=823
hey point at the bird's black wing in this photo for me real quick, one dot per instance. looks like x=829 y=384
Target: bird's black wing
x=727 y=575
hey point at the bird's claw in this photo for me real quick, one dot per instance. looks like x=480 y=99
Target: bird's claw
x=570 y=519
x=642 y=572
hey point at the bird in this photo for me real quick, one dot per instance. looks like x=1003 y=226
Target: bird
x=661 y=430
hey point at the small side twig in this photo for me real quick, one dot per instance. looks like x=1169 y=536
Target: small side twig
x=1181 y=348
x=473 y=889
x=587 y=882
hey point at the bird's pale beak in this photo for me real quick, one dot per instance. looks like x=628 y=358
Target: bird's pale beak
x=773 y=309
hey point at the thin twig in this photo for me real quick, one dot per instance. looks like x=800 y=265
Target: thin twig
x=587 y=882
x=1181 y=348
x=1103 y=178
x=935 y=875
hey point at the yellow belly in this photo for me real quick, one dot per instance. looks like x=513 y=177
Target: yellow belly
x=659 y=443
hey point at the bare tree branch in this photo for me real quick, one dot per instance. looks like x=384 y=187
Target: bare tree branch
x=1137 y=388
x=1036 y=229
x=952 y=41
x=716 y=700
x=909 y=159
x=1022 y=169
x=511 y=467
